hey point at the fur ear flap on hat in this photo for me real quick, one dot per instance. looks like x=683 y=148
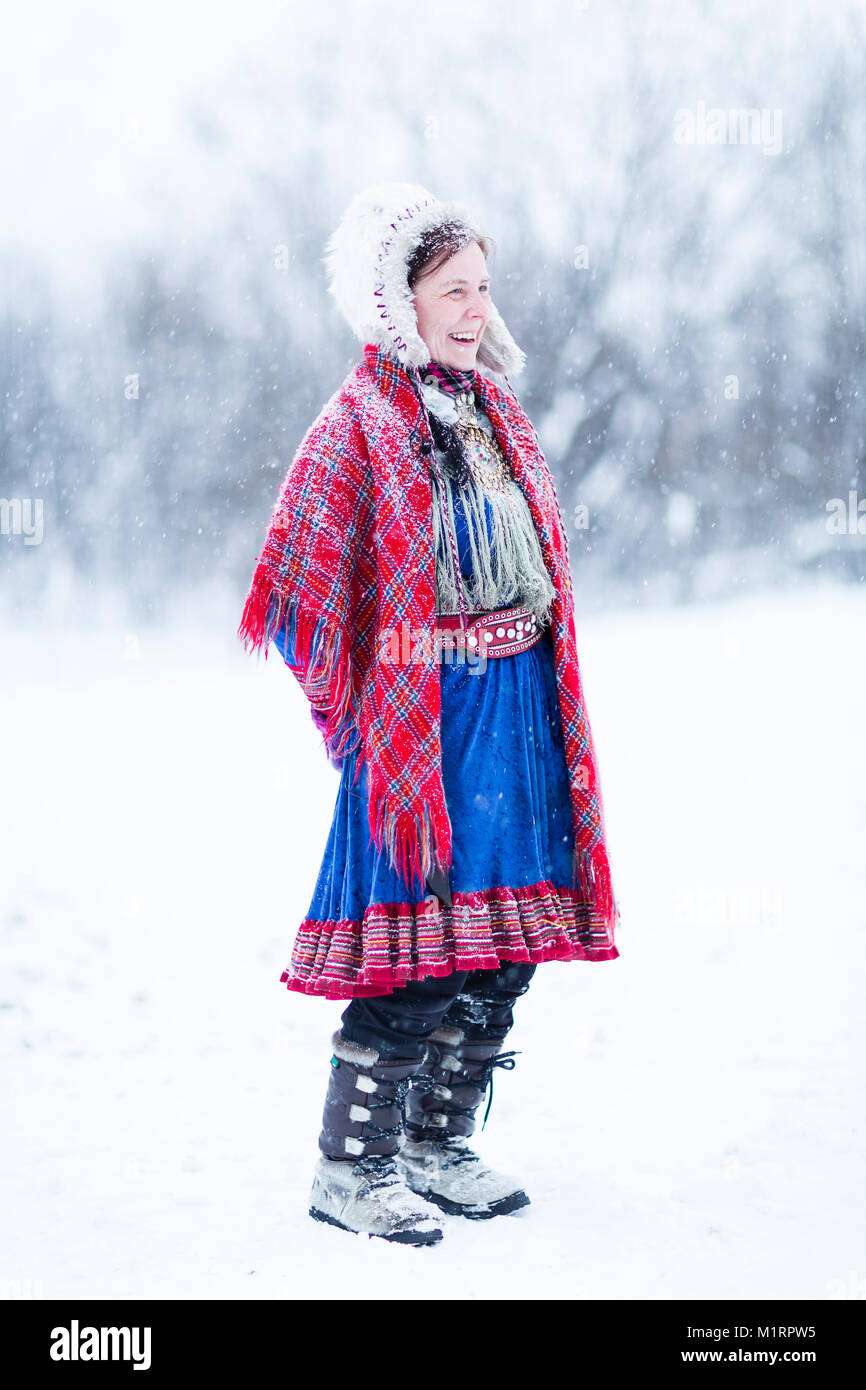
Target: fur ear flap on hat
x=367 y=263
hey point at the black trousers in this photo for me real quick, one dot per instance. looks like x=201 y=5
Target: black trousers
x=479 y=1002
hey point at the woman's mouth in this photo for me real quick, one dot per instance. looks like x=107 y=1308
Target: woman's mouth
x=465 y=338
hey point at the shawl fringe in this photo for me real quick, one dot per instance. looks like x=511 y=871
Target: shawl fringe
x=320 y=660
x=415 y=843
x=592 y=874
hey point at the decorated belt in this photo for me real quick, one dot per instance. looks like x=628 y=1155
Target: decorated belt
x=502 y=632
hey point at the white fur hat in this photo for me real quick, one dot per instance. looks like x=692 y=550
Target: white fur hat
x=367 y=259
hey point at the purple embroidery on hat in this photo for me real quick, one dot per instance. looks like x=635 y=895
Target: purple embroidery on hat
x=385 y=247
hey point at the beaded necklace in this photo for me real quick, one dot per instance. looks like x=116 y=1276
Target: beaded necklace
x=486 y=460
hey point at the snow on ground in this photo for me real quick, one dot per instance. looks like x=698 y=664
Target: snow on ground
x=688 y=1120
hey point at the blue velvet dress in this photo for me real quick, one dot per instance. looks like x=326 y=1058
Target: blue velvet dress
x=506 y=787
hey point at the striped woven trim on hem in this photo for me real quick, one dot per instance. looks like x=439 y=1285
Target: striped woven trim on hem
x=398 y=942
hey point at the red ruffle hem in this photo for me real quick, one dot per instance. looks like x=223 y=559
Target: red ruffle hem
x=397 y=942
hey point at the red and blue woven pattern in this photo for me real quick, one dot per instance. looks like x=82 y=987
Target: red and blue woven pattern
x=399 y=942
x=349 y=557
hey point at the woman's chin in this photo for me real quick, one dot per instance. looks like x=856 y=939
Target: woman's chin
x=458 y=358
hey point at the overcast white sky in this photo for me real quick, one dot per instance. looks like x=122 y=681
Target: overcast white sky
x=91 y=92
x=95 y=148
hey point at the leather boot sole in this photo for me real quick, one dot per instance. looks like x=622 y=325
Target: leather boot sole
x=400 y=1237
x=513 y=1202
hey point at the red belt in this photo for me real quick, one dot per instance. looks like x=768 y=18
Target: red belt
x=502 y=632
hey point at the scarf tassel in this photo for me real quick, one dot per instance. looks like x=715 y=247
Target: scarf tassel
x=593 y=876
x=316 y=656
x=253 y=627
x=409 y=840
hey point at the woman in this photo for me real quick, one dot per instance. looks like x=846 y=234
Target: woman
x=415 y=579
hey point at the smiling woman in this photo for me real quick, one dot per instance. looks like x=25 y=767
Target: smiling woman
x=452 y=299
x=467 y=842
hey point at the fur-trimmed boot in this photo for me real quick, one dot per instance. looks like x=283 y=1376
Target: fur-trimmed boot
x=356 y=1184
x=440 y=1113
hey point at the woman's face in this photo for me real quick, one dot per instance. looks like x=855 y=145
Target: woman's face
x=455 y=299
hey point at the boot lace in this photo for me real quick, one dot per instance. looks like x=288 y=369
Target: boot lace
x=456 y=1147
x=398 y=1099
x=380 y=1170
x=424 y=1082
x=504 y=1060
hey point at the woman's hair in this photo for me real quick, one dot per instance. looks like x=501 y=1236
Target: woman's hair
x=437 y=246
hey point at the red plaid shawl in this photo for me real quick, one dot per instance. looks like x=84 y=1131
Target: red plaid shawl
x=349 y=556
